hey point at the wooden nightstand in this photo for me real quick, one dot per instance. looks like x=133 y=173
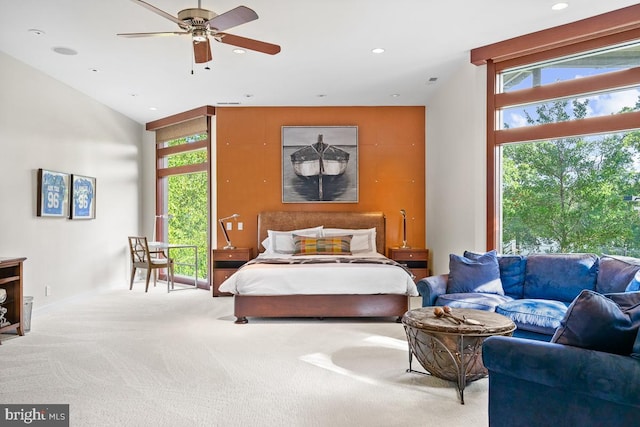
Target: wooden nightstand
x=416 y=259
x=225 y=262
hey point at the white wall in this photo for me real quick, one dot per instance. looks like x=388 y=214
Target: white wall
x=45 y=124
x=148 y=179
x=456 y=165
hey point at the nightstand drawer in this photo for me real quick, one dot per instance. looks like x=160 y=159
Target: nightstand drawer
x=219 y=276
x=415 y=259
x=225 y=262
x=409 y=254
x=242 y=254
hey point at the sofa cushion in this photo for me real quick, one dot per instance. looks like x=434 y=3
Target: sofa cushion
x=559 y=277
x=635 y=351
x=481 y=274
x=599 y=322
x=535 y=315
x=615 y=273
x=512 y=269
x=475 y=300
x=634 y=284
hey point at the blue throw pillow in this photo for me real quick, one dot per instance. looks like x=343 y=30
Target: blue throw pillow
x=481 y=274
x=606 y=323
x=512 y=268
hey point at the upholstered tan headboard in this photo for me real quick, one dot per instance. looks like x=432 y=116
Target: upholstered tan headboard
x=285 y=221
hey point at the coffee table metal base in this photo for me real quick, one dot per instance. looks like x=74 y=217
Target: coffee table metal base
x=450 y=352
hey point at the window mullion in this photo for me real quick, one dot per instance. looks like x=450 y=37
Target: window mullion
x=592 y=125
x=582 y=86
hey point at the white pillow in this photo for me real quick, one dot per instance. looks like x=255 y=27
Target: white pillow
x=281 y=242
x=364 y=240
x=266 y=244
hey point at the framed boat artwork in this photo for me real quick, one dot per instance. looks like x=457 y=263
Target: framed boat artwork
x=319 y=164
x=83 y=197
x=53 y=194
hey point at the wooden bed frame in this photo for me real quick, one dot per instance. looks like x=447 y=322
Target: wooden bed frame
x=352 y=305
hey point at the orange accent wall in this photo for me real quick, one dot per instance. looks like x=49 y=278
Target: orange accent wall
x=391 y=165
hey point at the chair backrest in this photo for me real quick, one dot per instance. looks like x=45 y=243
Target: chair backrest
x=139 y=248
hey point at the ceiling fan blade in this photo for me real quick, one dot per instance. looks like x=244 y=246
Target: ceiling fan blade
x=163 y=33
x=161 y=13
x=202 y=51
x=246 y=43
x=232 y=18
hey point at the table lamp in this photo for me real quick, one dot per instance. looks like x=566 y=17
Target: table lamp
x=155 y=225
x=404 y=229
x=224 y=230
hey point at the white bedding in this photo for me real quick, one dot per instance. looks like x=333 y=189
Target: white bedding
x=315 y=279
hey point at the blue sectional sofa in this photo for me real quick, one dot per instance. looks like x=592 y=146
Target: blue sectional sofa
x=587 y=376
x=534 y=291
x=541 y=384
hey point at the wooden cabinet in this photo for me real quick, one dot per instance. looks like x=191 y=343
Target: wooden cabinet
x=225 y=262
x=11 y=282
x=416 y=259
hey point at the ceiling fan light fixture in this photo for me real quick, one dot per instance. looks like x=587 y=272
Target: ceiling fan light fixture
x=201 y=24
x=199 y=36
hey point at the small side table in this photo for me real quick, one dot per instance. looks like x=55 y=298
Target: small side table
x=416 y=260
x=225 y=262
x=11 y=276
x=452 y=351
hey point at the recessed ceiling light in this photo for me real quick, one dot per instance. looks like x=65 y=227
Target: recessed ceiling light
x=377 y=50
x=95 y=70
x=36 y=32
x=321 y=95
x=239 y=51
x=64 y=50
x=395 y=95
x=152 y=108
x=560 y=6
x=248 y=95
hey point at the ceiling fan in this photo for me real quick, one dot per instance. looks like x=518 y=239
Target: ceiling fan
x=201 y=24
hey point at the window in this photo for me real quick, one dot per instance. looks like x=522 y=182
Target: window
x=563 y=139
x=185 y=200
x=183 y=153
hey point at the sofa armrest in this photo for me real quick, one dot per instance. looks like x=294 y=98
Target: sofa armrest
x=571 y=370
x=431 y=288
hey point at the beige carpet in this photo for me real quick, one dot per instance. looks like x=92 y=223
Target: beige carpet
x=126 y=358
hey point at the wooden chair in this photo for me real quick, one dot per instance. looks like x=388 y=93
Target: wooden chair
x=142 y=257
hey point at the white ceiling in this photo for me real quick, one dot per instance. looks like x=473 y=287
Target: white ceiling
x=326 y=54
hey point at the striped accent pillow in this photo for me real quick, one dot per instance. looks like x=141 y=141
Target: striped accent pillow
x=334 y=245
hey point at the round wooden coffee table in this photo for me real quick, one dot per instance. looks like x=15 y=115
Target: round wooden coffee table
x=451 y=350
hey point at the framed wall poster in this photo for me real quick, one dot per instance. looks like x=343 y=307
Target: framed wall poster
x=319 y=164
x=53 y=194
x=83 y=197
